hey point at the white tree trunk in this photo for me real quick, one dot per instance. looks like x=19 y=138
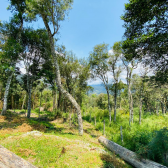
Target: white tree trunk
x=58 y=78
x=115 y=102
x=128 y=155
x=6 y=93
x=130 y=103
x=108 y=95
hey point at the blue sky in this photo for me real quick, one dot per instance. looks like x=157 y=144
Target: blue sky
x=90 y=22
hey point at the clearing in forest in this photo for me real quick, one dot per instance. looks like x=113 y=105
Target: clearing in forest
x=55 y=143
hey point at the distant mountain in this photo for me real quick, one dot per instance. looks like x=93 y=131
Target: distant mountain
x=99 y=88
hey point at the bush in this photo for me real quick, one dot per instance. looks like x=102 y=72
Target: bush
x=140 y=139
x=151 y=145
x=105 y=113
x=48 y=105
x=99 y=126
x=158 y=147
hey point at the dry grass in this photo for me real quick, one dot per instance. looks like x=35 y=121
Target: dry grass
x=26 y=152
x=24 y=128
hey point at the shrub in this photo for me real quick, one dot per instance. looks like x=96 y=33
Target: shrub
x=158 y=147
x=99 y=126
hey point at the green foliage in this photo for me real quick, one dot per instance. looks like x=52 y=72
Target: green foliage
x=98 y=61
x=146 y=29
x=139 y=140
x=152 y=145
x=158 y=147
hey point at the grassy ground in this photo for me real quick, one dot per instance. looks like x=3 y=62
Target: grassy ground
x=56 y=144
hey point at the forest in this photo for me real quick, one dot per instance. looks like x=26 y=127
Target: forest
x=41 y=83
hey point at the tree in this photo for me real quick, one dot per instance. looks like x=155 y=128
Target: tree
x=139 y=87
x=130 y=66
x=36 y=50
x=146 y=31
x=116 y=70
x=41 y=87
x=12 y=48
x=10 y=53
x=52 y=12
x=99 y=67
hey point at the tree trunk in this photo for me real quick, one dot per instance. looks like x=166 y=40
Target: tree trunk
x=29 y=102
x=157 y=109
x=12 y=102
x=40 y=104
x=58 y=77
x=115 y=101
x=14 y=105
x=23 y=101
x=108 y=95
x=34 y=99
x=10 y=160
x=120 y=102
x=130 y=103
x=59 y=101
x=128 y=155
x=164 y=109
x=132 y=111
x=140 y=109
x=54 y=99
x=6 y=93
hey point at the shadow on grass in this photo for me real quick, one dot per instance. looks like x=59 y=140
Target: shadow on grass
x=13 y=120
x=16 y=122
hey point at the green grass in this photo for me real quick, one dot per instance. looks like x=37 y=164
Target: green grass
x=58 y=146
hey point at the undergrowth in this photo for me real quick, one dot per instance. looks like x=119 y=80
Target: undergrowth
x=149 y=139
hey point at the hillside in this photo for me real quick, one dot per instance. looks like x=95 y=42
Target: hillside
x=54 y=143
x=99 y=88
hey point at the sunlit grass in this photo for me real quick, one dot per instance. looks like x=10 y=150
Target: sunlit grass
x=59 y=145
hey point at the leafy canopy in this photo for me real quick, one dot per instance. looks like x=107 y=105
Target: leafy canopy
x=146 y=31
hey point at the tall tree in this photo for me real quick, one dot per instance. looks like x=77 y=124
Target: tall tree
x=99 y=67
x=36 y=50
x=130 y=66
x=52 y=12
x=115 y=68
x=11 y=50
x=12 y=46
